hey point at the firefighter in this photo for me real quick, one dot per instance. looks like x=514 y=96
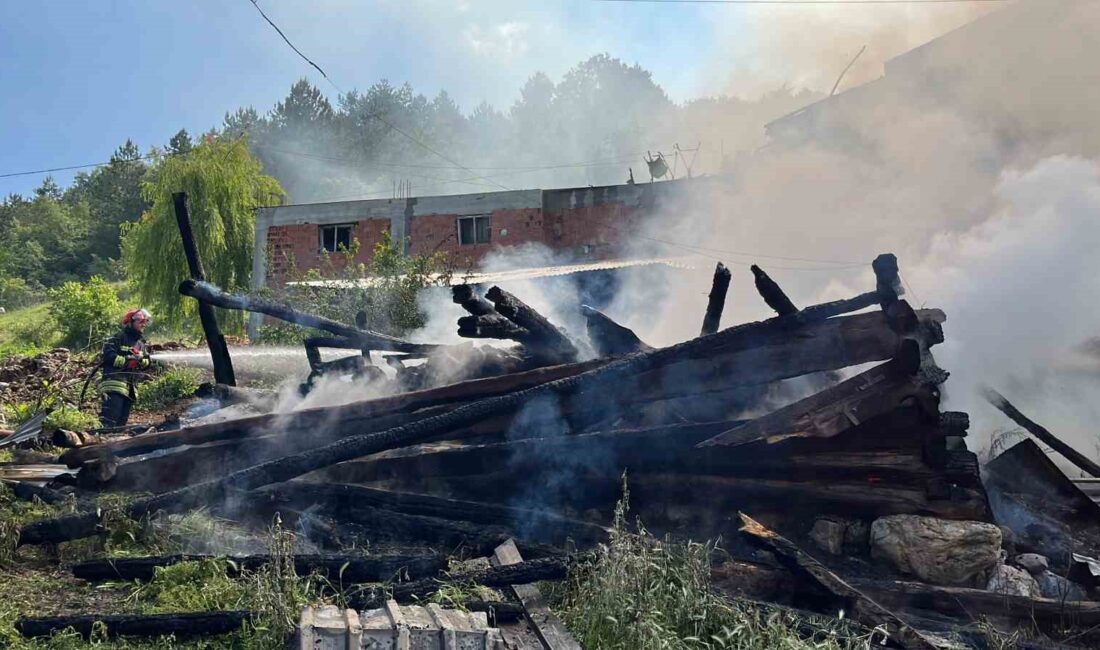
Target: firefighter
x=123 y=361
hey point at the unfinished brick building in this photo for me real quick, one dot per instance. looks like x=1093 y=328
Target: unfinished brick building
x=581 y=224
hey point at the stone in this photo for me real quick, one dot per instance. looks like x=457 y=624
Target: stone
x=938 y=551
x=856 y=537
x=1055 y=587
x=1033 y=563
x=829 y=535
x=1011 y=581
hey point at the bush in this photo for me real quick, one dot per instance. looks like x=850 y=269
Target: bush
x=176 y=384
x=16 y=293
x=86 y=313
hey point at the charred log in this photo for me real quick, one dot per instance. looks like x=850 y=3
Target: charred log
x=351 y=568
x=545 y=337
x=548 y=568
x=716 y=301
x=183 y=625
x=465 y=296
x=608 y=337
x=772 y=293
x=209 y=294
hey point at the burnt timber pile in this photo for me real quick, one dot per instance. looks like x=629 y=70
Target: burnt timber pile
x=812 y=443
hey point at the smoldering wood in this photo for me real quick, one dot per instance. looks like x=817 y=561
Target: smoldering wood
x=609 y=338
x=465 y=296
x=207 y=293
x=381 y=524
x=182 y=625
x=309 y=418
x=716 y=300
x=969 y=604
x=887 y=281
x=954 y=423
x=1069 y=453
x=522 y=573
x=539 y=525
x=219 y=351
x=78 y=525
x=351 y=568
x=499 y=611
x=545 y=336
x=772 y=293
x=859 y=605
x=1047 y=512
x=548 y=627
x=493 y=326
x=840 y=407
x=29 y=492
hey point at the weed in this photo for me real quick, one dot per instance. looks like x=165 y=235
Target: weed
x=166 y=389
x=638 y=591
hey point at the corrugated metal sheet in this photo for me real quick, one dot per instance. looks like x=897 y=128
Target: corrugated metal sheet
x=494 y=277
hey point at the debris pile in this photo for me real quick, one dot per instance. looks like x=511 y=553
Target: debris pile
x=811 y=443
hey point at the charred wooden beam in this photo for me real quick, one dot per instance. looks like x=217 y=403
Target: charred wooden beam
x=539 y=525
x=716 y=301
x=838 y=408
x=465 y=296
x=382 y=524
x=619 y=371
x=182 y=625
x=887 y=281
x=527 y=572
x=207 y=293
x=772 y=293
x=608 y=337
x=219 y=351
x=493 y=326
x=1069 y=453
x=308 y=419
x=548 y=627
x=969 y=604
x=859 y=605
x=545 y=336
x=351 y=568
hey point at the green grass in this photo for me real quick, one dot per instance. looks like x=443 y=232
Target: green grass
x=638 y=591
x=27 y=331
x=167 y=388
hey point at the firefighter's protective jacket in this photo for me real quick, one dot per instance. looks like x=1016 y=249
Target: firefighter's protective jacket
x=124 y=360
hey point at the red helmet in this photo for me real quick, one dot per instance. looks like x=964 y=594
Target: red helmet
x=136 y=315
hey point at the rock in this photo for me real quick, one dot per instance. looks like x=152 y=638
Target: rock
x=829 y=534
x=1008 y=541
x=953 y=553
x=1055 y=587
x=1013 y=582
x=1033 y=563
x=840 y=535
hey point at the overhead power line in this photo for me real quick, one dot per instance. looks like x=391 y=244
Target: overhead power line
x=381 y=119
x=72 y=167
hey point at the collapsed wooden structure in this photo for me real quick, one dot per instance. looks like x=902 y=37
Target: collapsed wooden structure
x=751 y=433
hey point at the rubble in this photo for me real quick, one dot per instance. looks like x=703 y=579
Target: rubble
x=839 y=496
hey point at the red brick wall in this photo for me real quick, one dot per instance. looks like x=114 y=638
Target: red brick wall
x=597 y=227
x=303 y=243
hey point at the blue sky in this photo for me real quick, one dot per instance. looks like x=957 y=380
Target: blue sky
x=79 y=78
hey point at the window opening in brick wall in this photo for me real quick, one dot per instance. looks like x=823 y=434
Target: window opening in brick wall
x=473 y=230
x=336 y=238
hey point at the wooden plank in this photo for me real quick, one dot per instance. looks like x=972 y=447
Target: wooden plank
x=190 y=624
x=838 y=408
x=548 y=627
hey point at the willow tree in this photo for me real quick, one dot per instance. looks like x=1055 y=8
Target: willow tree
x=224 y=185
